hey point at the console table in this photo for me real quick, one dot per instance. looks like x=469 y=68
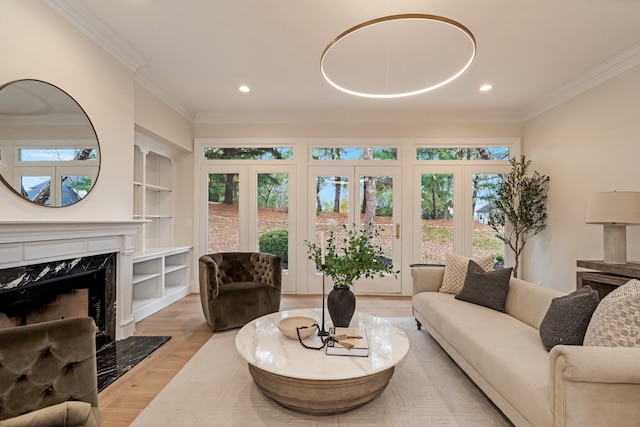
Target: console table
x=606 y=277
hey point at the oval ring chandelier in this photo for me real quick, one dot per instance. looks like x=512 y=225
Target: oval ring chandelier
x=464 y=38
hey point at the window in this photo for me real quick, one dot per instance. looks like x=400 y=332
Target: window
x=248 y=153
x=463 y=153
x=379 y=153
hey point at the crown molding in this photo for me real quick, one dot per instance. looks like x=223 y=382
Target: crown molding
x=350 y=117
x=93 y=28
x=609 y=69
x=147 y=84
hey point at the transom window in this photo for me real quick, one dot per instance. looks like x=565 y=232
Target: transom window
x=248 y=153
x=373 y=153
x=463 y=153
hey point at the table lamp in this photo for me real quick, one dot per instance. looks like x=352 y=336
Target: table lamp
x=615 y=210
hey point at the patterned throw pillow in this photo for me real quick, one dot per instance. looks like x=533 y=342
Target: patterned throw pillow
x=455 y=271
x=616 y=321
x=567 y=318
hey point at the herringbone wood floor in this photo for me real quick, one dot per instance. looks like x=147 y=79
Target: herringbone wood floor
x=121 y=402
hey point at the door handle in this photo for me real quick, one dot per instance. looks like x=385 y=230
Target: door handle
x=397 y=230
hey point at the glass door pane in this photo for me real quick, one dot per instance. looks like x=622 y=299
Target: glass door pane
x=332 y=206
x=272 y=199
x=223 y=212
x=436 y=216
x=379 y=208
x=484 y=240
x=37 y=188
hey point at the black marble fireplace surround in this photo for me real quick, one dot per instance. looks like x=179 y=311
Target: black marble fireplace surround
x=25 y=288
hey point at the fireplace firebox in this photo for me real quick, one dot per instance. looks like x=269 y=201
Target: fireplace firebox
x=84 y=286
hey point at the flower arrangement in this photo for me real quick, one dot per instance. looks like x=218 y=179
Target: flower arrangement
x=348 y=254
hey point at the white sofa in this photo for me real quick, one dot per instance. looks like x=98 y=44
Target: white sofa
x=504 y=355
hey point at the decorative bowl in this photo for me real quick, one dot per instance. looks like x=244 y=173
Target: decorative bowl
x=288 y=327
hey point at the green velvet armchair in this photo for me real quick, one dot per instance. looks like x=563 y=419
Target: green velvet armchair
x=237 y=287
x=48 y=374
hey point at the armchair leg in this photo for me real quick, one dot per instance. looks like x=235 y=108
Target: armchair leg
x=418 y=325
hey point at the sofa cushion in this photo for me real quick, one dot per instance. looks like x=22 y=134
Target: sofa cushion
x=616 y=320
x=455 y=271
x=487 y=288
x=568 y=317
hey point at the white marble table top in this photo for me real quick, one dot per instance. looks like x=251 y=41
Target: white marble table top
x=263 y=346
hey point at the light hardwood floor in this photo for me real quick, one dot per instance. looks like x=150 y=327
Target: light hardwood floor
x=122 y=401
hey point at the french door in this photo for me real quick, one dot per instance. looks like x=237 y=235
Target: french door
x=247 y=208
x=451 y=211
x=361 y=195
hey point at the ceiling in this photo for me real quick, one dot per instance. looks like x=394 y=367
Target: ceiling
x=194 y=54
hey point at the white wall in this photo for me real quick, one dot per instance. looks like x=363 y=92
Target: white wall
x=358 y=130
x=38 y=44
x=590 y=143
x=42 y=45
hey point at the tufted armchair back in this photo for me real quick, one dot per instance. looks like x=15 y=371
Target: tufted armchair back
x=237 y=287
x=247 y=267
x=46 y=364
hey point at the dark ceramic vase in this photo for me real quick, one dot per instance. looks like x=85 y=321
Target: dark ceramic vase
x=341 y=303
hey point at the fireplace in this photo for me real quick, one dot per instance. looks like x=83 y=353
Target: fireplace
x=84 y=286
x=69 y=255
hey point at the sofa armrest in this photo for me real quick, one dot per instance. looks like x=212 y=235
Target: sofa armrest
x=594 y=386
x=427 y=278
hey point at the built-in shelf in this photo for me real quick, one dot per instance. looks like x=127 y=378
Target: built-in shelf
x=160 y=278
x=153 y=198
x=161 y=271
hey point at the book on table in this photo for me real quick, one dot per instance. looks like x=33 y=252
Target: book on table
x=351 y=342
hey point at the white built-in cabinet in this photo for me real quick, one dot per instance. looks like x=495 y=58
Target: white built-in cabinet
x=161 y=273
x=160 y=278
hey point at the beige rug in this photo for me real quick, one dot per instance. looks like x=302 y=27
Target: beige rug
x=215 y=389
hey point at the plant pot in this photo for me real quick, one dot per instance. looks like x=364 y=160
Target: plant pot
x=341 y=303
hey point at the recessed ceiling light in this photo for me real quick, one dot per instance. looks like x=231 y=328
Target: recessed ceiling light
x=485 y=88
x=244 y=89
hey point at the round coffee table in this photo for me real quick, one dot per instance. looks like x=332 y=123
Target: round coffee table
x=310 y=381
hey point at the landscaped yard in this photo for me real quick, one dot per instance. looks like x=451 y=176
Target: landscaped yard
x=437 y=235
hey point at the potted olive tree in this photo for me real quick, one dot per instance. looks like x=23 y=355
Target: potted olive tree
x=520 y=208
x=347 y=255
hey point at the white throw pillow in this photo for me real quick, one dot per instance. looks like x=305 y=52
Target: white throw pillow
x=455 y=271
x=616 y=321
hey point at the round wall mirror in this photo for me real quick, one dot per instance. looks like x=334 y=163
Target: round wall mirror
x=49 y=152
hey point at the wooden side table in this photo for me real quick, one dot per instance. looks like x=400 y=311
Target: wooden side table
x=606 y=277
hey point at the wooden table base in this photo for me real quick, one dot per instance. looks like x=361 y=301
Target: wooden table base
x=321 y=397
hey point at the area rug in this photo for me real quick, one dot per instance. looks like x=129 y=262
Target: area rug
x=427 y=389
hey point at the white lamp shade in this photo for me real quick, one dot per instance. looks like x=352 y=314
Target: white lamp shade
x=613 y=207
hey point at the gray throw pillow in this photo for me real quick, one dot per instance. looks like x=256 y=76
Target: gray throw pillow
x=568 y=318
x=487 y=288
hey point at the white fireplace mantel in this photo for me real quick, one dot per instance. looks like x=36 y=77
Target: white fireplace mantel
x=35 y=242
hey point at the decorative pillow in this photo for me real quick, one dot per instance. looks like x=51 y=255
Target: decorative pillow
x=568 y=317
x=616 y=321
x=455 y=271
x=487 y=288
